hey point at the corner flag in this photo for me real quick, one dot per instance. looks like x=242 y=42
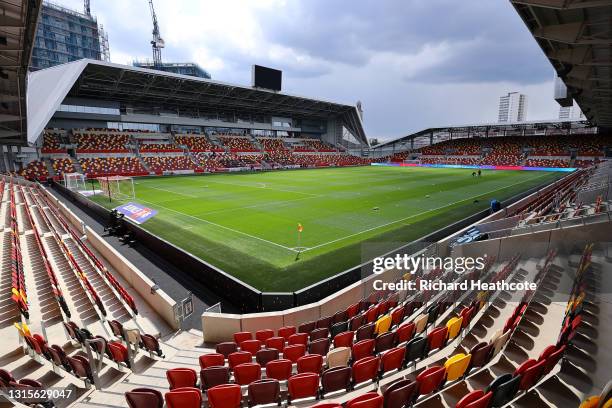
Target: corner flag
x=300 y=228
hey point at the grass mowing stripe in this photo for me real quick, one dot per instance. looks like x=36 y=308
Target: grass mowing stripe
x=419 y=214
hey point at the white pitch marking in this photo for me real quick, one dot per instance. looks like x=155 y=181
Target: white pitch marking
x=416 y=215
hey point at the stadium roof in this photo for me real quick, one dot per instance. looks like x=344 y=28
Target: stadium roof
x=494 y=126
x=140 y=86
x=17 y=31
x=576 y=36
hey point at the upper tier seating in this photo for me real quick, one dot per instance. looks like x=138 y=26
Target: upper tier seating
x=51 y=143
x=196 y=143
x=169 y=163
x=102 y=143
x=238 y=143
x=157 y=147
x=272 y=145
x=112 y=166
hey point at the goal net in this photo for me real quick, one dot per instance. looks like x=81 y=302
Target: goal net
x=74 y=182
x=117 y=187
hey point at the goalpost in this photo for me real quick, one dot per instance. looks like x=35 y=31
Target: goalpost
x=74 y=182
x=117 y=187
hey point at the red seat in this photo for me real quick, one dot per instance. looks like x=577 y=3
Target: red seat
x=437 y=338
x=276 y=343
x=475 y=399
x=397 y=316
x=294 y=352
x=431 y=379
x=242 y=336
x=184 y=397
x=372 y=313
x=530 y=372
x=393 y=359
x=119 y=352
x=226 y=348
x=311 y=363
x=181 y=377
x=286 y=331
x=239 y=357
x=344 y=339
x=365 y=369
x=246 y=373
x=363 y=348
x=224 y=396
x=252 y=346
x=328 y=405
x=552 y=359
x=367 y=400
x=298 y=338
x=352 y=310
x=405 y=332
x=211 y=359
x=279 y=369
x=144 y=398
x=263 y=335
x=303 y=385
x=320 y=333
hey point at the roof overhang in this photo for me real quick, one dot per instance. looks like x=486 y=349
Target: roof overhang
x=18 y=19
x=495 y=127
x=145 y=87
x=576 y=36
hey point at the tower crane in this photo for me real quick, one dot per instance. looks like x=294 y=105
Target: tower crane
x=157 y=43
x=87 y=8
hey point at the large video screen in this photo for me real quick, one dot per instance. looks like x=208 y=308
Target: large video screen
x=268 y=78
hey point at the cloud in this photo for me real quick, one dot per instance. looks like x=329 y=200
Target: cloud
x=413 y=63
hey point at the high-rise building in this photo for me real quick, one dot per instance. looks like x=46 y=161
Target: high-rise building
x=571 y=112
x=65 y=35
x=512 y=107
x=183 y=68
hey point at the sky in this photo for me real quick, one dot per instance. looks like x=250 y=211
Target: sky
x=412 y=63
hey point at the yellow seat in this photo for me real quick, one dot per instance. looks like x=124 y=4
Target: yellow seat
x=456 y=366
x=590 y=402
x=382 y=325
x=454 y=327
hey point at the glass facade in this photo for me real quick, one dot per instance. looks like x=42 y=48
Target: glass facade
x=182 y=68
x=64 y=36
x=89 y=109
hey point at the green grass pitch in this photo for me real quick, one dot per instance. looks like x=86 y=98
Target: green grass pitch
x=246 y=224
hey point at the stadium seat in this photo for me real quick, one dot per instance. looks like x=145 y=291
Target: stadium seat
x=144 y=398
x=306 y=328
x=383 y=324
x=336 y=379
x=365 y=332
x=214 y=375
x=384 y=342
x=184 y=398
x=320 y=333
x=151 y=344
x=344 y=339
x=401 y=393
x=252 y=346
x=365 y=369
x=552 y=359
x=298 y=338
x=393 y=359
x=405 y=332
x=530 y=372
x=311 y=363
x=504 y=388
x=181 y=377
x=211 y=359
x=277 y=343
x=266 y=391
x=293 y=352
x=263 y=335
x=266 y=355
x=323 y=322
x=239 y=357
x=246 y=373
x=481 y=353
x=226 y=348
x=456 y=366
x=420 y=323
x=430 y=379
x=363 y=348
x=416 y=349
x=223 y=396
x=286 y=331
x=242 y=336
x=338 y=328
x=320 y=346
x=81 y=368
x=279 y=369
x=454 y=327
x=338 y=357
x=300 y=386
x=475 y=399
x=437 y=338
x=119 y=352
x=367 y=400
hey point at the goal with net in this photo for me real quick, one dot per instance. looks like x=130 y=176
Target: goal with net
x=117 y=187
x=75 y=182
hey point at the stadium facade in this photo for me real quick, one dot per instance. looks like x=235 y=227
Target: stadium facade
x=65 y=35
x=182 y=68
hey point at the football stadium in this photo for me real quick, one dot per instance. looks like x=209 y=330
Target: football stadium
x=172 y=240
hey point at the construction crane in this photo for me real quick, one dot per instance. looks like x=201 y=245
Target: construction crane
x=87 y=8
x=157 y=43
